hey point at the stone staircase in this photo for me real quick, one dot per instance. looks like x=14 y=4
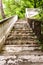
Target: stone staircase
x=21 y=34
x=22 y=46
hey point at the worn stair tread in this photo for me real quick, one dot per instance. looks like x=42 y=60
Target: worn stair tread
x=18 y=30
x=32 y=39
x=21 y=38
x=21 y=60
x=26 y=32
x=17 y=49
x=29 y=34
x=25 y=52
x=25 y=45
x=23 y=48
x=23 y=30
x=21 y=42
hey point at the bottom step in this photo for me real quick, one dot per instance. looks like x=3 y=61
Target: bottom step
x=21 y=50
x=21 y=60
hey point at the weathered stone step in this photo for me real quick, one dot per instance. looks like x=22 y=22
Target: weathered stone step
x=23 y=25
x=22 y=48
x=24 y=22
x=21 y=60
x=21 y=37
x=24 y=38
x=18 y=50
x=28 y=45
x=23 y=31
x=31 y=58
x=18 y=29
x=31 y=63
x=23 y=34
x=21 y=42
x=11 y=53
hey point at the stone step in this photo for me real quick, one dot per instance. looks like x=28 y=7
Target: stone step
x=21 y=42
x=26 y=52
x=22 y=50
x=21 y=60
x=25 y=22
x=22 y=31
x=22 y=27
x=19 y=37
x=21 y=24
x=24 y=39
x=23 y=34
x=24 y=45
x=26 y=29
x=31 y=58
x=31 y=63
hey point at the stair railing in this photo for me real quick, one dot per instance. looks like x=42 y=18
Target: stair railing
x=5 y=27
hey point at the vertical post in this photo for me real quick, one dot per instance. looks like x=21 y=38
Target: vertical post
x=35 y=2
x=33 y=25
x=37 y=28
x=30 y=22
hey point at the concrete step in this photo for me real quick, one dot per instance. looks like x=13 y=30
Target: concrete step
x=21 y=60
x=22 y=31
x=18 y=52
x=22 y=47
x=23 y=34
x=18 y=29
x=25 y=45
x=19 y=37
x=21 y=50
x=20 y=42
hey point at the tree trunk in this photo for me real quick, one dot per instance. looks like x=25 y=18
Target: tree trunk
x=1 y=9
x=35 y=1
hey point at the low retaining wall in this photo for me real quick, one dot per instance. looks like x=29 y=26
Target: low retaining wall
x=5 y=27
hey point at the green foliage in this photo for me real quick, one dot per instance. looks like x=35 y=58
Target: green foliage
x=12 y=7
x=0 y=17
